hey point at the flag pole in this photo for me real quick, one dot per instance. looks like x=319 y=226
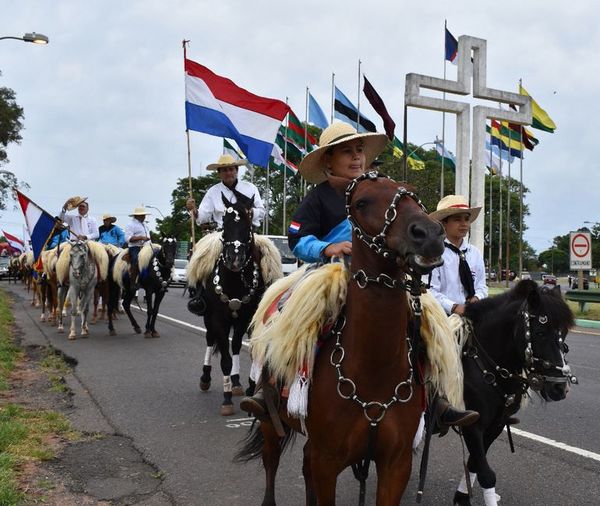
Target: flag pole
x=443 y=120
x=332 y=94
x=500 y=210
x=285 y=170
x=491 y=215
x=358 y=98
x=184 y=44
x=405 y=140
x=521 y=200
x=303 y=185
x=508 y=214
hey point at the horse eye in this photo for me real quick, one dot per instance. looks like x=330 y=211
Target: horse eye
x=361 y=204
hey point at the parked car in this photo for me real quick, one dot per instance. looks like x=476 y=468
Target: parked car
x=179 y=272
x=511 y=275
x=4 y=261
x=491 y=276
x=575 y=284
x=525 y=275
x=288 y=261
x=548 y=279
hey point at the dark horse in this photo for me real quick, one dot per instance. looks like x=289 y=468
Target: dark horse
x=517 y=343
x=364 y=400
x=154 y=279
x=232 y=293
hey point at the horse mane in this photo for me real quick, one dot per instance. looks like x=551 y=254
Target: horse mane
x=286 y=339
x=29 y=259
x=112 y=250
x=443 y=350
x=62 y=264
x=49 y=259
x=146 y=254
x=100 y=257
x=270 y=259
x=206 y=254
x=120 y=267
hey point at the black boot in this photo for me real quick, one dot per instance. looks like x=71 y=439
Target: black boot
x=446 y=415
x=255 y=405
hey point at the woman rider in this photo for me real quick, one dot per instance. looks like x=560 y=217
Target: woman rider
x=320 y=229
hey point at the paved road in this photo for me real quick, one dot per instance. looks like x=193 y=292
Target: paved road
x=147 y=389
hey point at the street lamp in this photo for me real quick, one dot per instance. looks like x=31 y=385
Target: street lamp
x=159 y=211
x=36 y=38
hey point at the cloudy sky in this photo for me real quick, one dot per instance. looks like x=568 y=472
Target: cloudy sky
x=104 y=101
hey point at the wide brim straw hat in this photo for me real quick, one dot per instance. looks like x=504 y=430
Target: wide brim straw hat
x=139 y=211
x=312 y=168
x=110 y=217
x=74 y=202
x=226 y=161
x=454 y=204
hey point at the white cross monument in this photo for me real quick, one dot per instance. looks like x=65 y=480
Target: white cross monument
x=475 y=72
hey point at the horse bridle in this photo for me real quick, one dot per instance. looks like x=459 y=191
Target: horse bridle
x=378 y=242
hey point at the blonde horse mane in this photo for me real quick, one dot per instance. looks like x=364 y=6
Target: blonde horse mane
x=112 y=250
x=286 y=340
x=206 y=253
x=49 y=259
x=146 y=253
x=100 y=257
x=120 y=267
x=62 y=264
x=270 y=261
x=29 y=259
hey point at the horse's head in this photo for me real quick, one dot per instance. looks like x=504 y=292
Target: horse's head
x=541 y=335
x=80 y=258
x=390 y=219
x=237 y=235
x=169 y=251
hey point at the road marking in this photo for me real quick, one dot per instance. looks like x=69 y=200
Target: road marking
x=557 y=444
x=186 y=324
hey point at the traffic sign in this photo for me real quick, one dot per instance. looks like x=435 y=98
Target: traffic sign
x=580 y=248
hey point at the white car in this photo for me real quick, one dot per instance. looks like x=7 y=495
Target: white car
x=289 y=262
x=179 y=272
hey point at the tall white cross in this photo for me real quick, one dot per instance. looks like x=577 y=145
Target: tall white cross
x=475 y=72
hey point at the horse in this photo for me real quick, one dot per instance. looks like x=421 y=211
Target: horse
x=365 y=401
x=50 y=285
x=103 y=288
x=155 y=262
x=515 y=342
x=14 y=269
x=235 y=282
x=80 y=265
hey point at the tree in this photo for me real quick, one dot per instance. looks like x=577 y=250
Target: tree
x=11 y=116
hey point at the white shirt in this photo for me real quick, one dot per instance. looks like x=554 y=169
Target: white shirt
x=212 y=207
x=133 y=228
x=81 y=225
x=445 y=283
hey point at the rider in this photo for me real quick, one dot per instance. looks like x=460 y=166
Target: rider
x=136 y=234
x=212 y=208
x=111 y=233
x=320 y=229
x=82 y=225
x=59 y=235
x=461 y=279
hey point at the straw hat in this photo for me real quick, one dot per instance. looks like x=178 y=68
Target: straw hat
x=139 y=211
x=74 y=202
x=454 y=204
x=313 y=167
x=226 y=161
x=110 y=217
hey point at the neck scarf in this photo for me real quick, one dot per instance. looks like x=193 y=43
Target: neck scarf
x=464 y=271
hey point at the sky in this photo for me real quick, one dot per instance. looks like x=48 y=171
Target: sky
x=104 y=100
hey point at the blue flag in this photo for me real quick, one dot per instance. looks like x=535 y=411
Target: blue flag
x=348 y=113
x=451 y=47
x=316 y=116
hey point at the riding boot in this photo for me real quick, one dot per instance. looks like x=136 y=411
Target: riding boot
x=134 y=273
x=512 y=420
x=255 y=405
x=447 y=415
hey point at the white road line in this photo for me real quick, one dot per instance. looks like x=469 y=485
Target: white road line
x=540 y=439
x=557 y=444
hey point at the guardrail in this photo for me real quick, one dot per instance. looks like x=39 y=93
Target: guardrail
x=582 y=297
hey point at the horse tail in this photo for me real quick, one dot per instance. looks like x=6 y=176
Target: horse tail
x=254 y=441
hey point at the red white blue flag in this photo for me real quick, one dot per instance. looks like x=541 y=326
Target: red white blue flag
x=40 y=224
x=216 y=106
x=15 y=243
x=451 y=47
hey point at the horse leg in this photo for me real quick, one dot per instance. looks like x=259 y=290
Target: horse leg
x=236 y=346
x=127 y=297
x=478 y=463
x=95 y=306
x=157 y=300
x=149 y=310
x=393 y=476
x=61 y=303
x=324 y=474
x=271 y=454
x=73 y=297
x=226 y=364
x=43 y=300
x=85 y=309
x=311 y=499
x=111 y=305
x=206 y=367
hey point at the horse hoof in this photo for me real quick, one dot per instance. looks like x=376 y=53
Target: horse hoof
x=238 y=390
x=461 y=499
x=72 y=337
x=204 y=385
x=42 y=318
x=155 y=334
x=112 y=332
x=147 y=334
x=227 y=410
x=60 y=330
x=93 y=322
x=85 y=334
x=138 y=330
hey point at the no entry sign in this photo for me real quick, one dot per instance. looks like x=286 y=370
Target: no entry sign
x=580 y=247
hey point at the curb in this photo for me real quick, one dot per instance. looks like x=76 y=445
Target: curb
x=590 y=324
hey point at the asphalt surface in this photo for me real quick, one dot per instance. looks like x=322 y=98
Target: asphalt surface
x=147 y=390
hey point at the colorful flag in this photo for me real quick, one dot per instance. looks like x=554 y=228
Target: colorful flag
x=216 y=106
x=316 y=116
x=414 y=162
x=15 y=243
x=377 y=104
x=540 y=118
x=297 y=133
x=230 y=149
x=448 y=156
x=279 y=162
x=40 y=224
x=496 y=150
x=503 y=142
x=345 y=111
x=529 y=141
x=451 y=48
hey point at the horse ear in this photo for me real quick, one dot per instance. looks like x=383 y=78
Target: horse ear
x=339 y=184
x=225 y=201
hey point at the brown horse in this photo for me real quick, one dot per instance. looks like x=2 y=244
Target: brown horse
x=364 y=401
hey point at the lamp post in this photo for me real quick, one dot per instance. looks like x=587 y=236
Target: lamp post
x=159 y=211
x=36 y=38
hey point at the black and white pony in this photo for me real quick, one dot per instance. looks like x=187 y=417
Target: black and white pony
x=514 y=343
x=235 y=266
x=155 y=262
